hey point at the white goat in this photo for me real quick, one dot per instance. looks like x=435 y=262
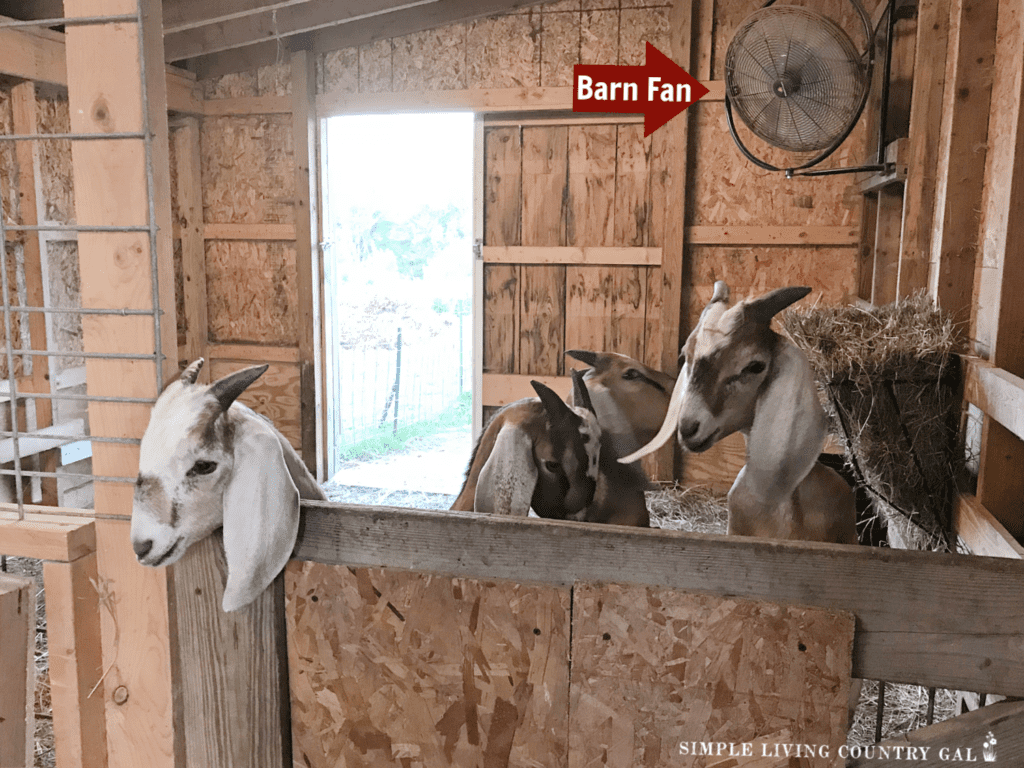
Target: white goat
x=208 y=462
x=535 y=453
x=739 y=375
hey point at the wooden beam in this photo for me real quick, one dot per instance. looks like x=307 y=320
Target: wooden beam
x=45 y=536
x=504 y=388
x=980 y=530
x=524 y=254
x=280 y=21
x=307 y=248
x=254 y=353
x=76 y=662
x=955 y=622
x=17 y=670
x=248 y=231
x=965 y=735
x=192 y=233
x=23 y=108
x=998 y=393
x=925 y=123
x=248 y=105
x=188 y=14
x=961 y=162
x=772 y=235
x=885 y=266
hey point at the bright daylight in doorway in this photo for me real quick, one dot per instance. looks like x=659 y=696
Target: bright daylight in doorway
x=398 y=218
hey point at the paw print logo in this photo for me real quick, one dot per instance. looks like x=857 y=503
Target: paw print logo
x=988 y=748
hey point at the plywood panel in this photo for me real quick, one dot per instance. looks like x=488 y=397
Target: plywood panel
x=275 y=395
x=375 y=67
x=248 y=169
x=599 y=35
x=638 y=26
x=407 y=669
x=252 y=293
x=560 y=47
x=501 y=318
x=503 y=186
x=605 y=309
x=654 y=669
x=56 y=188
x=632 y=211
x=545 y=167
x=542 y=320
x=338 y=71
x=434 y=60
x=504 y=51
x=591 y=203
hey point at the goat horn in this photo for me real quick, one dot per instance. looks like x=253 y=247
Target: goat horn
x=580 y=393
x=668 y=426
x=556 y=409
x=583 y=355
x=228 y=389
x=764 y=308
x=721 y=291
x=191 y=373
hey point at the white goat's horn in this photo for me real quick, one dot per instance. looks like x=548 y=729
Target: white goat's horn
x=721 y=291
x=191 y=373
x=668 y=426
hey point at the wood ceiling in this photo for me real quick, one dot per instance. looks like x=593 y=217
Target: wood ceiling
x=216 y=36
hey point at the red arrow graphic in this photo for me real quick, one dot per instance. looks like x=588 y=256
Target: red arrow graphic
x=660 y=89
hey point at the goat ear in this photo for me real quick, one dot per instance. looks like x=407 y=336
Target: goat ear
x=261 y=514
x=584 y=356
x=580 y=393
x=228 y=389
x=191 y=373
x=557 y=410
x=507 y=479
x=764 y=308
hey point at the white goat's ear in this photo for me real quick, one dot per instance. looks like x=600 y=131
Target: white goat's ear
x=191 y=373
x=261 y=514
x=228 y=389
x=507 y=479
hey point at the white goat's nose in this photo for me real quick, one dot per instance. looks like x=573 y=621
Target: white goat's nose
x=142 y=547
x=688 y=428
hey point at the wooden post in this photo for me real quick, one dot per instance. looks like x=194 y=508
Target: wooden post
x=105 y=81
x=193 y=248
x=23 y=106
x=1000 y=314
x=307 y=254
x=17 y=670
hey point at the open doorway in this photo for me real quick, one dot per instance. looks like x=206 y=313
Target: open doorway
x=398 y=299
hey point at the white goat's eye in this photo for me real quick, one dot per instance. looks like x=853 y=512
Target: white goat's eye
x=755 y=367
x=552 y=466
x=201 y=468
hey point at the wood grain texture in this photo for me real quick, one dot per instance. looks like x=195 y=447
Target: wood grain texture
x=632 y=209
x=501 y=389
x=568 y=254
x=501 y=318
x=503 y=51
x=46 y=536
x=983 y=534
x=885 y=271
x=545 y=169
x=17 y=669
x=232 y=668
x=955 y=622
x=434 y=60
x=605 y=309
x=391 y=668
x=654 y=669
x=590 y=204
x=189 y=223
x=275 y=394
x=542 y=320
x=503 y=187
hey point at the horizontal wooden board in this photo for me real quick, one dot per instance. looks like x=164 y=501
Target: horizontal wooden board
x=551 y=99
x=275 y=394
x=926 y=618
x=770 y=235
x=525 y=254
x=248 y=231
x=997 y=393
x=248 y=105
x=45 y=536
x=504 y=388
x=981 y=531
x=255 y=353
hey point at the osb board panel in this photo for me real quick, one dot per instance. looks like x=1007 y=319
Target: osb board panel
x=501 y=318
x=375 y=67
x=542 y=320
x=270 y=80
x=560 y=47
x=599 y=36
x=275 y=394
x=605 y=309
x=591 y=195
x=832 y=273
x=54 y=181
x=434 y=60
x=251 y=291
x=413 y=670
x=504 y=51
x=653 y=669
x=8 y=163
x=727 y=189
x=503 y=186
x=248 y=170
x=640 y=26
x=338 y=71
x=65 y=293
x=15 y=260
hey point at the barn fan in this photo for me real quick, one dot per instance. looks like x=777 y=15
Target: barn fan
x=798 y=82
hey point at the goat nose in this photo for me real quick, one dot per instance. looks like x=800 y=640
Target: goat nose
x=688 y=429
x=142 y=547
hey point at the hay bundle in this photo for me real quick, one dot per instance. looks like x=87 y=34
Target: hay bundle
x=891 y=384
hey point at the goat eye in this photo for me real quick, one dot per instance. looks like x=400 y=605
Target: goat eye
x=552 y=466
x=201 y=468
x=631 y=373
x=755 y=367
